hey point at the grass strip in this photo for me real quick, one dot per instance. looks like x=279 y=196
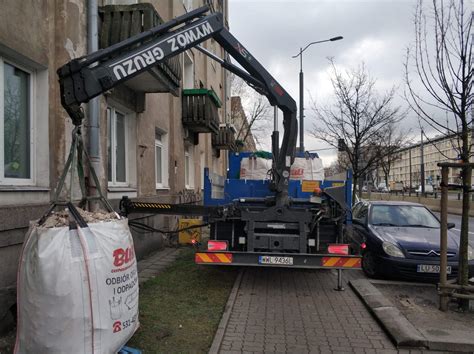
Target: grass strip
x=181 y=308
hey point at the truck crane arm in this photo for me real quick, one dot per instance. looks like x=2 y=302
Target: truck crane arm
x=84 y=78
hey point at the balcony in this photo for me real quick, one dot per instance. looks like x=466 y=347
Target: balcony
x=119 y=22
x=200 y=111
x=225 y=138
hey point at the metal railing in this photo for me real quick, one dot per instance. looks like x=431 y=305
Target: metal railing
x=224 y=139
x=200 y=111
x=119 y=22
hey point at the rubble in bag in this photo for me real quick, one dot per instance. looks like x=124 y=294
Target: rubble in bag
x=61 y=218
x=77 y=287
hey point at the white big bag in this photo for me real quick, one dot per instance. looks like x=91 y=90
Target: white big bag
x=77 y=288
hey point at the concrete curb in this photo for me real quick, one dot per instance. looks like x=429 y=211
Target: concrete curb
x=402 y=332
x=219 y=336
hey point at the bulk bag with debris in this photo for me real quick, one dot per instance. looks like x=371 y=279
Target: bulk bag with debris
x=309 y=168
x=77 y=285
x=256 y=168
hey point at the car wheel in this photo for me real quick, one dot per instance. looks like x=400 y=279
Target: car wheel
x=369 y=265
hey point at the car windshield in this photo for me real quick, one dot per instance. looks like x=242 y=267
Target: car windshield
x=402 y=215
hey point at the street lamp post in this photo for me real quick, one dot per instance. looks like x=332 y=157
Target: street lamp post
x=300 y=54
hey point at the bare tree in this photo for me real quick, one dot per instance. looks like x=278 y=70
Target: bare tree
x=257 y=111
x=334 y=168
x=394 y=140
x=356 y=122
x=441 y=61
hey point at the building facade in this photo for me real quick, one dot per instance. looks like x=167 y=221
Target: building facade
x=438 y=149
x=148 y=146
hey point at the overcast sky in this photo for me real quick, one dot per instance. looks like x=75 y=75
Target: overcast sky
x=376 y=32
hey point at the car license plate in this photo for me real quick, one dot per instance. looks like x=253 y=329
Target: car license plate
x=429 y=268
x=275 y=260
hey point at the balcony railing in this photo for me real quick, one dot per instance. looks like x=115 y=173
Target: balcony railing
x=225 y=138
x=200 y=111
x=119 y=22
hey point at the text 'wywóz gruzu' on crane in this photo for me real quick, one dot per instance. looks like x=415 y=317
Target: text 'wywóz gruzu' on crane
x=157 y=51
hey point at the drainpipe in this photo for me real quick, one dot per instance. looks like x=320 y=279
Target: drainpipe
x=93 y=106
x=227 y=123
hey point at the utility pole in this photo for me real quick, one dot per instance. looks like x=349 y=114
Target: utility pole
x=422 y=165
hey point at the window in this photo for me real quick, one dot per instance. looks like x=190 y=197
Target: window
x=360 y=213
x=188 y=168
x=16 y=126
x=403 y=215
x=203 y=166
x=161 y=160
x=116 y=147
x=188 y=71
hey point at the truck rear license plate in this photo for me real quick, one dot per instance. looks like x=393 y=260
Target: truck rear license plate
x=429 y=268
x=275 y=260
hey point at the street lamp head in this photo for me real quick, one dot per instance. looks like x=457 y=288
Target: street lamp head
x=310 y=44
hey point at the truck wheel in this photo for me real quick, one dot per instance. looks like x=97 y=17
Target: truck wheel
x=369 y=265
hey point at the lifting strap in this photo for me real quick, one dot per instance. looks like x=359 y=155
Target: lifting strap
x=75 y=158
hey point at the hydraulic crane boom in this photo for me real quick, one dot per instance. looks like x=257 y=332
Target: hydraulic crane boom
x=87 y=77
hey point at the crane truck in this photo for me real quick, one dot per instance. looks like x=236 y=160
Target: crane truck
x=276 y=222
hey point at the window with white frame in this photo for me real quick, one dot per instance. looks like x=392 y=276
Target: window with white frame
x=117 y=140
x=16 y=125
x=188 y=71
x=161 y=160
x=188 y=168
x=203 y=166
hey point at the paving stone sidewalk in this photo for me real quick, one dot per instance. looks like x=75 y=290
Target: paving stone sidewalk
x=154 y=263
x=297 y=311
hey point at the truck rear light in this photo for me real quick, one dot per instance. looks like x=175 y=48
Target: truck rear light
x=217 y=245
x=363 y=245
x=338 y=248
